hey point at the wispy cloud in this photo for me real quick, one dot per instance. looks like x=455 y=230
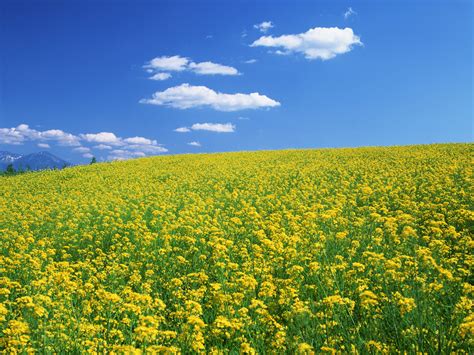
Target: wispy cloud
x=121 y=148
x=211 y=127
x=82 y=149
x=214 y=127
x=349 y=12
x=186 y=96
x=251 y=61
x=317 y=43
x=264 y=26
x=182 y=130
x=160 y=76
x=102 y=147
x=161 y=66
x=194 y=144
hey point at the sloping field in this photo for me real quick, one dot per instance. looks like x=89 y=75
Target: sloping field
x=343 y=250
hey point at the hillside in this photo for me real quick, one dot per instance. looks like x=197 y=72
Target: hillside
x=324 y=250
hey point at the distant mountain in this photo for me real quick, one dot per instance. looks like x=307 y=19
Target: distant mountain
x=34 y=161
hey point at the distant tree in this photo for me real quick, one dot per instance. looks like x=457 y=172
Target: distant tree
x=10 y=169
x=93 y=160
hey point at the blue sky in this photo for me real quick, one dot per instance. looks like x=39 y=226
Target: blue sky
x=75 y=75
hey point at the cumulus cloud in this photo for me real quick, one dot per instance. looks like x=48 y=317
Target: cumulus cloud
x=182 y=130
x=161 y=66
x=210 y=68
x=121 y=148
x=21 y=133
x=349 y=12
x=186 y=96
x=102 y=137
x=317 y=43
x=214 y=127
x=160 y=76
x=264 y=26
x=164 y=63
x=194 y=144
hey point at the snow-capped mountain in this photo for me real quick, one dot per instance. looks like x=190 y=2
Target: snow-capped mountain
x=34 y=161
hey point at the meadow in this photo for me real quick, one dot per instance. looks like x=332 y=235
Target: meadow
x=365 y=250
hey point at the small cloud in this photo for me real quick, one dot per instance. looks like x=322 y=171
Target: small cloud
x=102 y=137
x=182 y=130
x=102 y=147
x=140 y=140
x=210 y=68
x=120 y=154
x=88 y=155
x=251 y=61
x=43 y=145
x=264 y=26
x=163 y=65
x=194 y=144
x=82 y=150
x=349 y=12
x=317 y=43
x=186 y=96
x=243 y=118
x=214 y=127
x=160 y=76
x=209 y=37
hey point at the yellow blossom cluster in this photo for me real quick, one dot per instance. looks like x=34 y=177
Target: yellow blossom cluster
x=365 y=250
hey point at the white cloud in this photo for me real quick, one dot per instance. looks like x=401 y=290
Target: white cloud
x=251 y=61
x=160 y=76
x=186 y=96
x=82 y=150
x=140 y=140
x=21 y=133
x=11 y=136
x=349 y=12
x=102 y=147
x=194 y=144
x=164 y=63
x=128 y=147
x=243 y=118
x=102 y=137
x=182 y=130
x=88 y=155
x=317 y=43
x=149 y=149
x=161 y=66
x=264 y=26
x=120 y=154
x=214 y=127
x=210 y=68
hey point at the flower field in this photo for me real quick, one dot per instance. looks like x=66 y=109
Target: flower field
x=365 y=250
